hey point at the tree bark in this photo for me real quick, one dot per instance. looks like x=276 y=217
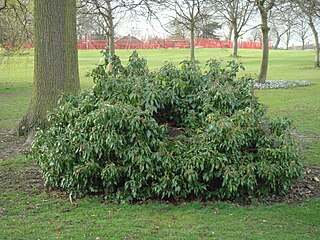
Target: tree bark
x=276 y=45
x=265 y=47
x=287 y=45
x=288 y=35
x=192 y=57
x=111 y=30
x=316 y=40
x=55 y=60
x=230 y=33
x=112 y=49
x=235 y=43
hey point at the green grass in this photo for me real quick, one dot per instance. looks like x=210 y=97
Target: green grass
x=300 y=104
x=27 y=211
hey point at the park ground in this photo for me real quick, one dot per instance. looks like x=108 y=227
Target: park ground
x=30 y=211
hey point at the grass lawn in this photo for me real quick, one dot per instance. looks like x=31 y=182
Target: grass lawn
x=28 y=211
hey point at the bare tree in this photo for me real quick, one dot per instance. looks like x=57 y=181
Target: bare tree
x=255 y=35
x=264 y=7
x=228 y=34
x=289 y=19
x=107 y=11
x=276 y=32
x=187 y=13
x=302 y=29
x=208 y=29
x=88 y=24
x=311 y=9
x=283 y=20
x=205 y=29
x=176 y=30
x=15 y=24
x=237 y=14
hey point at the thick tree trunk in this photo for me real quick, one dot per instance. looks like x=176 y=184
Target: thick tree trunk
x=316 y=40
x=265 y=48
x=235 y=43
x=192 y=57
x=55 y=61
x=303 y=44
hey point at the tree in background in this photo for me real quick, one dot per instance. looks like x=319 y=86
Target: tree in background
x=189 y=14
x=264 y=7
x=205 y=29
x=105 y=13
x=208 y=29
x=236 y=13
x=290 y=17
x=302 y=29
x=55 y=60
x=89 y=24
x=15 y=24
x=311 y=9
x=255 y=35
x=176 y=30
x=283 y=20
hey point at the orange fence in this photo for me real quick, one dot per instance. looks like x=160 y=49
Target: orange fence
x=156 y=43
x=166 y=43
x=92 y=44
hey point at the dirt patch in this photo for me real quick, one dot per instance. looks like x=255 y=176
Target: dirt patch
x=28 y=180
x=10 y=145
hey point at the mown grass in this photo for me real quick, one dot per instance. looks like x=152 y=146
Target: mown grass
x=300 y=104
x=30 y=213
x=27 y=211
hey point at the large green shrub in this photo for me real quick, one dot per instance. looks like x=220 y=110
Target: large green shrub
x=177 y=133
